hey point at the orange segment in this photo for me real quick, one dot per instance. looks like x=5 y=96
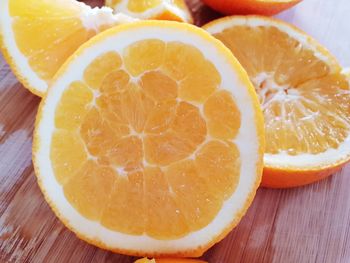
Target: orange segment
x=100 y=67
x=188 y=130
x=189 y=124
x=110 y=106
x=135 y=107
x=66 y=162
x=185 y=63
x=219 y=164
x=195 y=202
x=73 y=106
x=90 y=188
x=144 y=56
x=98 y=136
x=127 y=153
x=161 y=117
x=159 y=86
x=164 y=218
x=115 y=81
x=223 y=116
x=202 y=80
x=180 y=59
x=166 y=148
x=125 y=211
x=128 y=105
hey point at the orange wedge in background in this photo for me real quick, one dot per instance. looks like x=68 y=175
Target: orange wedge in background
x=176 y=10
x=37 y=36
x=247 y=7
x=304 y=95
x=169 y=260
x=150 y=140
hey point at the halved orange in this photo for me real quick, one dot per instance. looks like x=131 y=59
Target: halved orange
x=305 y=97
x=249 y=7
x=150 y=140
x=37 y=36
x=176 y=10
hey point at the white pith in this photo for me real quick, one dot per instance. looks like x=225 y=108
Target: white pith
x=267 y=85
x=246 y=141
x=282 y=160
x=91 y=18
x=153 y=12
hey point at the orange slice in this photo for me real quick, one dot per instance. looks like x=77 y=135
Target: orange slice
x=246 y=7
x=176 y=10
x=150 y=140
x=37 y=36
x=169 y=260
x=304 y=96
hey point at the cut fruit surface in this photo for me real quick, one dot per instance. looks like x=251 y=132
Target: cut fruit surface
x=251 y=7
x=37 y=36
x=169 y=260
x=304 y=95
x=142 y=164
x=175 y=10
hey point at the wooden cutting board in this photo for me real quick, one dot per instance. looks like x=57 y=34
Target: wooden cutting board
x=308 y=224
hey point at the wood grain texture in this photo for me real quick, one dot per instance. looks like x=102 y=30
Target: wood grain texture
x=308 y=224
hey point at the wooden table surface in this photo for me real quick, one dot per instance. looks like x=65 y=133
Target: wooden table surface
x=308 y=224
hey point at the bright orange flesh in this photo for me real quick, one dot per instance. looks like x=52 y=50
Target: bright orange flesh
x=138 y=6
x=151 y=131
x=305 y=100
x=169 y=260
x=46 y=33
x=142 y=6
x=296 y=90
x=68 y=35
x=247 y=7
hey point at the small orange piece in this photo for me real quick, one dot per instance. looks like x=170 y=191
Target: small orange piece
x=246 y=7
x=169 y=260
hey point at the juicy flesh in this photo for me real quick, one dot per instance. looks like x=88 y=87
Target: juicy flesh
x=48 y=32
x=306 y=107
x=153 y=9
x=140 y=6
x=152 y=134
